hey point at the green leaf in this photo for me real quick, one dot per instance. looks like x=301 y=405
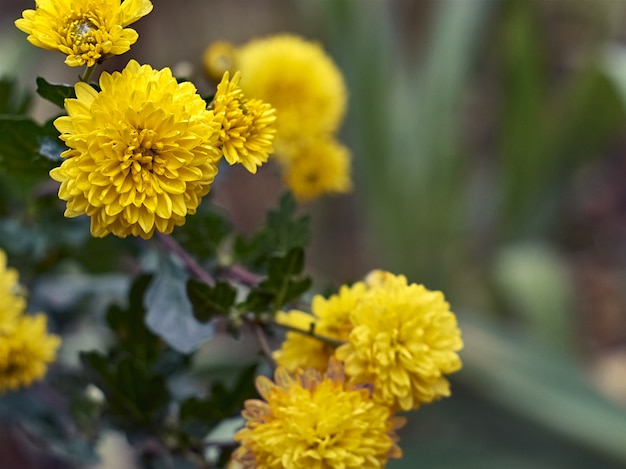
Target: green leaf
x=11 y=100
x=282 y=285
x=20 y=139
x=128 y=325
x=169 y=311
x=135 y=397
x=199 y=416
x=208 y=301
x=204 y=232
x=56 y=94
x=283 y=231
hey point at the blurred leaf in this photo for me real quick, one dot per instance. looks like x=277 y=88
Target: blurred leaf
x=169 y=311
x=208 y=301
x=136 y=398
x=11 y=100
x=203 y=233
x=283 y=231
x=56 y=94
x=199 y=416
x=540 y=384
x=282 y=285
x=536 y=284
x=128 y=325
x=20 y=138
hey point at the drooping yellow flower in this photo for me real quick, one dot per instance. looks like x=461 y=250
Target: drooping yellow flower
x=330 y=319
x=316 y=167
x=12 y=302
x=25 y=352
x=142 y=152
x=310 y=421
x=404 y=341
x=247 y=125
x=87 y=31
x=297 y=78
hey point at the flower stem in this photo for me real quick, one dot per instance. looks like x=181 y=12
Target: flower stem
x=87 y=75
x=334 y=343
x=191 y=264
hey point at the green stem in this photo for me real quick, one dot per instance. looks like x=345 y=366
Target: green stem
x=334 y=343
x=87 y=75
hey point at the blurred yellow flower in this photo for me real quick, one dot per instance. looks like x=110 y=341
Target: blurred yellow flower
x=218 y=59
x=87 y=31
x=308 y=421
x=142 y=152
x=247 y=125
x=25 y=352
x=299 y=351
x=297 y=78
x=316 y=167
x=12 y=302
x=404 y=341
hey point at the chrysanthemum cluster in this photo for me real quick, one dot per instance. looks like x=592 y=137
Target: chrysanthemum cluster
x=399 y=337
x=309 y=420
x=396 y=340
x=26 y=348
x=307 y=89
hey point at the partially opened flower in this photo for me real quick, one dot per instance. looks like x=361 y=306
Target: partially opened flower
x=330 y=319
x=247 y=125
x=142 y=152
x=316 y=167
x=310 y=420
x=219 y=58
x=87 y=31
x=12 y=302
x=404 y=341
x=25 y=352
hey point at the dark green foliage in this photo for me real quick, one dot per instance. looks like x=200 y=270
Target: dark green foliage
x=284 y=283
x=204 y=232
x=136 y=399
x=283 y=231
x=11 y=100
x=56 y=94
x=208 y=301
x=199 y=416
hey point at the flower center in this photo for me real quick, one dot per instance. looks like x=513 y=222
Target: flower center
x=80 y=31
x=141 y=157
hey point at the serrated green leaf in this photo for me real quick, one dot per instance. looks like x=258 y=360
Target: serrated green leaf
x=55 y=93
x=135 y=397
x=283 y=231
x=209 y=301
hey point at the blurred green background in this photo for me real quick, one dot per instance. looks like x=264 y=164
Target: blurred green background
x=489 y=159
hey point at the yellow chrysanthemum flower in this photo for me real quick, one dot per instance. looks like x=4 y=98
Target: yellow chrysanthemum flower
x=297 y=78
x=87 y=31
x=25 y=352
x=12 y=302
x=299 y=351
x=330 y=319
x=316 y=167
x=247 y=125
x=404 y=341
x=312 y=421
x=218 y=59
x=142 y=152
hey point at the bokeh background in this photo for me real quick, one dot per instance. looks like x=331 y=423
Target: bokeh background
x=489 y=161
